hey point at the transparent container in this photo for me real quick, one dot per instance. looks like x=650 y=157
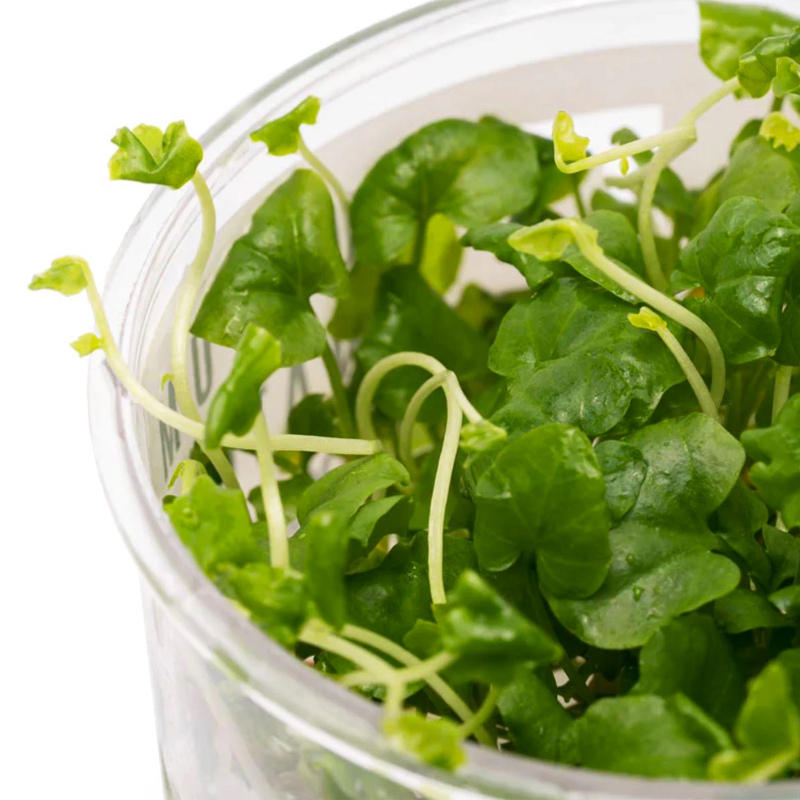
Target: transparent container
x=238 y=717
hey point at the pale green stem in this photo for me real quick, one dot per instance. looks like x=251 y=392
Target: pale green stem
x=338 y=390
x=406 y=433
x=694 y=377
x=437 y=684
x=660 y=162
x=270 y=492
x=481 y=716
x=421 y=671
x=196 y=430
x=379 y=371
x=326 y=175
x=183 y=321
x=441 y=491
x=393 y=704
x=660 y=302
x=783 y=388
x=680 y=134
x=317 y=634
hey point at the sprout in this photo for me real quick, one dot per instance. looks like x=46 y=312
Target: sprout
x=87 y=344
x=282 y=136
x=777 y=129
x=66 y=275
x=569 y=146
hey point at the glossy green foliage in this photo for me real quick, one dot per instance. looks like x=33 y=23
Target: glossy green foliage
x=268 y=276
x=474 y=173
x=148 y=155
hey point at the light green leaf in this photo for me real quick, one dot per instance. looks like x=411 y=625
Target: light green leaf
x=282 y=136
x=86 y=344
x=435 y=741
x=441 y=256
x=66 y=275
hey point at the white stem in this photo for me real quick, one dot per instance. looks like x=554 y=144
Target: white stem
x=406 y=433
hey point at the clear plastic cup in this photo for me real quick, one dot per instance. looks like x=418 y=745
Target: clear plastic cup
x=238 y=717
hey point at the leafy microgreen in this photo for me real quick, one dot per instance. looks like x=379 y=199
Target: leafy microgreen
x=148 y=155
x=66 y=275
x=282 y=136
x=268 y=276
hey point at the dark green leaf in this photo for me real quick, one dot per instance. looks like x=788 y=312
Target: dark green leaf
x=489 y=635
x=759 y=171
x=742 y=261
x=494 y=239
x=539 y=726
x=473 y=173
x=282 y=136
x=214 y=524
x=743 y=610
x=777 y=451
x=545 y=495
x=147 y=155
x=412 y=317
x=326 y=540
x=729 y=31
x=571 y=355
x=691 y=656
x=278 y=602
x=237 y=402
x=624 y=470
x=768 y=730
x=787 y=601
x=737 y=521
x=789 y=350
x=435 y=741
x=393 y=597
x=783 y=550
x=642 y=735
x=354 y=313
x=661 y=565
x=270 y=273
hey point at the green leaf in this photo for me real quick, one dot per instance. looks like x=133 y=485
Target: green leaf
x=787 y=601
x=441 y=256
x=214 y=524
x=776 y=450
x=729 y=31
x=66 y=275
x=758 y=68
x=624 y=470
x=490 y=637
x=661 y=564
x=411 y=317
x=642 y=735
x=473 y=173
x=435 y=741
x=291 y=490
x=494 y=239
x=277 y=601
x=743 y=610
x=742 y=261
x=691 y=656
x=390 y=599
x=737 y=521
x=148 y=155
x=325 y=562
x=353 y=313
x=267 y=278
x=571 y=356
x=539 y=726
x=87 y=344
x=783 y=550
x=768 y=730
x=788 y=352
x=759 y=171
x=620 y=242
x=282 y=136
x=237 y=402
x=545 y=495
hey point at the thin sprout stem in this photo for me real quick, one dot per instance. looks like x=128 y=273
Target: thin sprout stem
x=783 y=388
x=662 y=159
x=436 y=683
x=579 y=204
x=317 y=634
x=406 y=434
x=660 y=302
x=338 y=390
x=196 y=430
x=183 y=320
x=683 y=133
x=326 y=175
x=270 y=492
x=379 y=371
x=393 y=705
x=441 y=491
x=481 y=716
x=421 y=671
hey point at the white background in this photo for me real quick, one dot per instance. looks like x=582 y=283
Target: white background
x=75 y=715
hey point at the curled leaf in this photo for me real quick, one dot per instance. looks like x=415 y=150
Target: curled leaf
x=777 y=129
x=282 y=136
x=146 y=155
x=569 y=146
x=87 y=344
x=66 y=275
